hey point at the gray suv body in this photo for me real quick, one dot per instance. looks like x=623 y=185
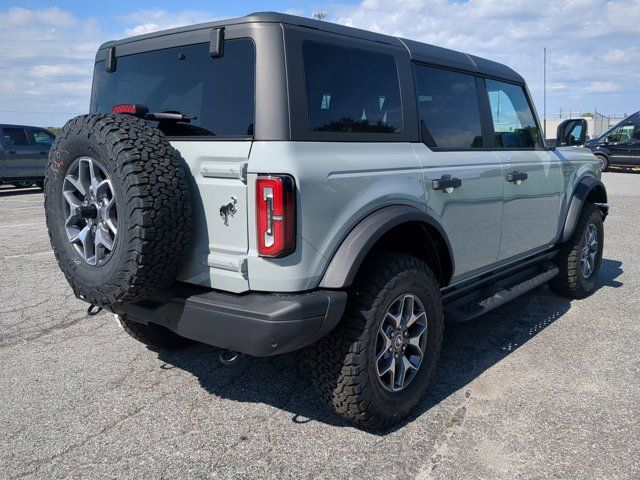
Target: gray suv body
x=348 y=190
x=23 y=154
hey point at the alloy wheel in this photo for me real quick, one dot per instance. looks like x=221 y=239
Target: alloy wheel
x=91 y=217
x=401 y=342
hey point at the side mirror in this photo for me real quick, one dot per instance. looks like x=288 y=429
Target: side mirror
x=572 y=132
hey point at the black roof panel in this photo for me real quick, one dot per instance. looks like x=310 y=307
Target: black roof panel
x=418 y=51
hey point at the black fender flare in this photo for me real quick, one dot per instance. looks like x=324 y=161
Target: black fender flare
x=348 y=258
x=580 y=193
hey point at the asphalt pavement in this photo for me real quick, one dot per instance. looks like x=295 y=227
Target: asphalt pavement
x=540 y=388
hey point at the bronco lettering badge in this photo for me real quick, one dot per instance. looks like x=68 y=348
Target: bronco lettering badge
x=229 y=210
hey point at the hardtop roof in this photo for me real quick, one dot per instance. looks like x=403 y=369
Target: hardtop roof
x=420 y=52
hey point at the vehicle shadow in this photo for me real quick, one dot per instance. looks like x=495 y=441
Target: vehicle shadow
x=469 y=349
x=14 y=192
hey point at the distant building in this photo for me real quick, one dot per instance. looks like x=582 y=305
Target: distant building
x=597 y=123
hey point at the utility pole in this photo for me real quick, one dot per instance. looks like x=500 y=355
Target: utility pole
x=319 y=15
x=545 y=93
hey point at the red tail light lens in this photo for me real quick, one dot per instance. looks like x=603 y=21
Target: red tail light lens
x=276 y=210
x=131 y=109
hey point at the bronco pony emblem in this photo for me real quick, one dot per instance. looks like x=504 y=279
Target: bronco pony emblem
x=229 y=210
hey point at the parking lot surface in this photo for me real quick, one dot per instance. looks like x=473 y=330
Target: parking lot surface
x=540 y=388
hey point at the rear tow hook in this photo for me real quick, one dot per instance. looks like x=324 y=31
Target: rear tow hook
x=229 y=357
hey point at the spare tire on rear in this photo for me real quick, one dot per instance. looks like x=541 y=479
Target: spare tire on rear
x=117 y=207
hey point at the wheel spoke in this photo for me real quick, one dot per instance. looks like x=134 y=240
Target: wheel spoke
x=102 y=238
x=76 y=183
x=414 y=339
x=85 y=241
x=390 y=369
x=104 y=186
x=407 y=309
x=84 y=175
x=386 y=345
x=399 y=348
x=86 y=184
x=414 y=318
x=393 y=320
x=586 y=268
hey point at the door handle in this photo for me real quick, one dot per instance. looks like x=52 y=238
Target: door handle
x=446 y=183
x=517 y=177
x=12 y=152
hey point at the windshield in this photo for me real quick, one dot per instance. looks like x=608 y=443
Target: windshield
x=218 y=92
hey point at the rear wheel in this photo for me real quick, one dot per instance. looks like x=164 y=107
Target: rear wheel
x=580 y=257
x=154 y=336
x=376 y=365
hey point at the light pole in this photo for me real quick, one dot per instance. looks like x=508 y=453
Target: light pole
x=544 y=94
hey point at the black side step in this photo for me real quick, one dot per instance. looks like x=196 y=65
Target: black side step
x=477 y=303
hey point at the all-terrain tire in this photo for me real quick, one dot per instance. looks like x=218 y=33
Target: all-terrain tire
x=154 y=336
x=571 y=282
x=152 y=201
x=343 y=363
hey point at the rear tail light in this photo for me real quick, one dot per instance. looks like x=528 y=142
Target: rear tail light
x=276 y=210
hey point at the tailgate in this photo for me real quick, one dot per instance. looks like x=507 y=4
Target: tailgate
x=218 y=253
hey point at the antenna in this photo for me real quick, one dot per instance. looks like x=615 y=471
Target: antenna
x=320 y=15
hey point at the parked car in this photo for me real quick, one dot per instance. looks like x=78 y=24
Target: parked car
x=23 y=154
x=286 y=183
x=620 y=145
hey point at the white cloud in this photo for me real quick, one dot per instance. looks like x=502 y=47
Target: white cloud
x=46 y=63
x=592 y=45
x=147 y=21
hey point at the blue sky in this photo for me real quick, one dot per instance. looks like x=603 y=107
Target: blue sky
x=593 y=45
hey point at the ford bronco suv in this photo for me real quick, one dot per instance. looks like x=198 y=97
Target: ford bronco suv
x=270 y=183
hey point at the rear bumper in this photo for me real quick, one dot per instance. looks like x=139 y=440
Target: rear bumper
x=258 y=324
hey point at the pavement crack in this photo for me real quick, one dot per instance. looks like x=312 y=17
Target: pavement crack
x=441 y=449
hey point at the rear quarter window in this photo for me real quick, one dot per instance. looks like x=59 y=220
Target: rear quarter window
x=218 y=92
x=350 y=90
x=448 y=108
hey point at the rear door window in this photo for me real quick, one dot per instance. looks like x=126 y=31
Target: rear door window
x=349 y=90
x=448 y=108
x=218 y=92
x=513 y=121
x=15 y=137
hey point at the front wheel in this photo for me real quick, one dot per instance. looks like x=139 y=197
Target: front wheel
x=580 y=257
x=604 y=163
x=375 y=366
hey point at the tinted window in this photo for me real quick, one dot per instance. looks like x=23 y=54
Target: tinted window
x=513 y=121
x=350 y=90
x=15 y=137
x=219 y=92
x=448 y=108
x=622 y=134
x=41 y=138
